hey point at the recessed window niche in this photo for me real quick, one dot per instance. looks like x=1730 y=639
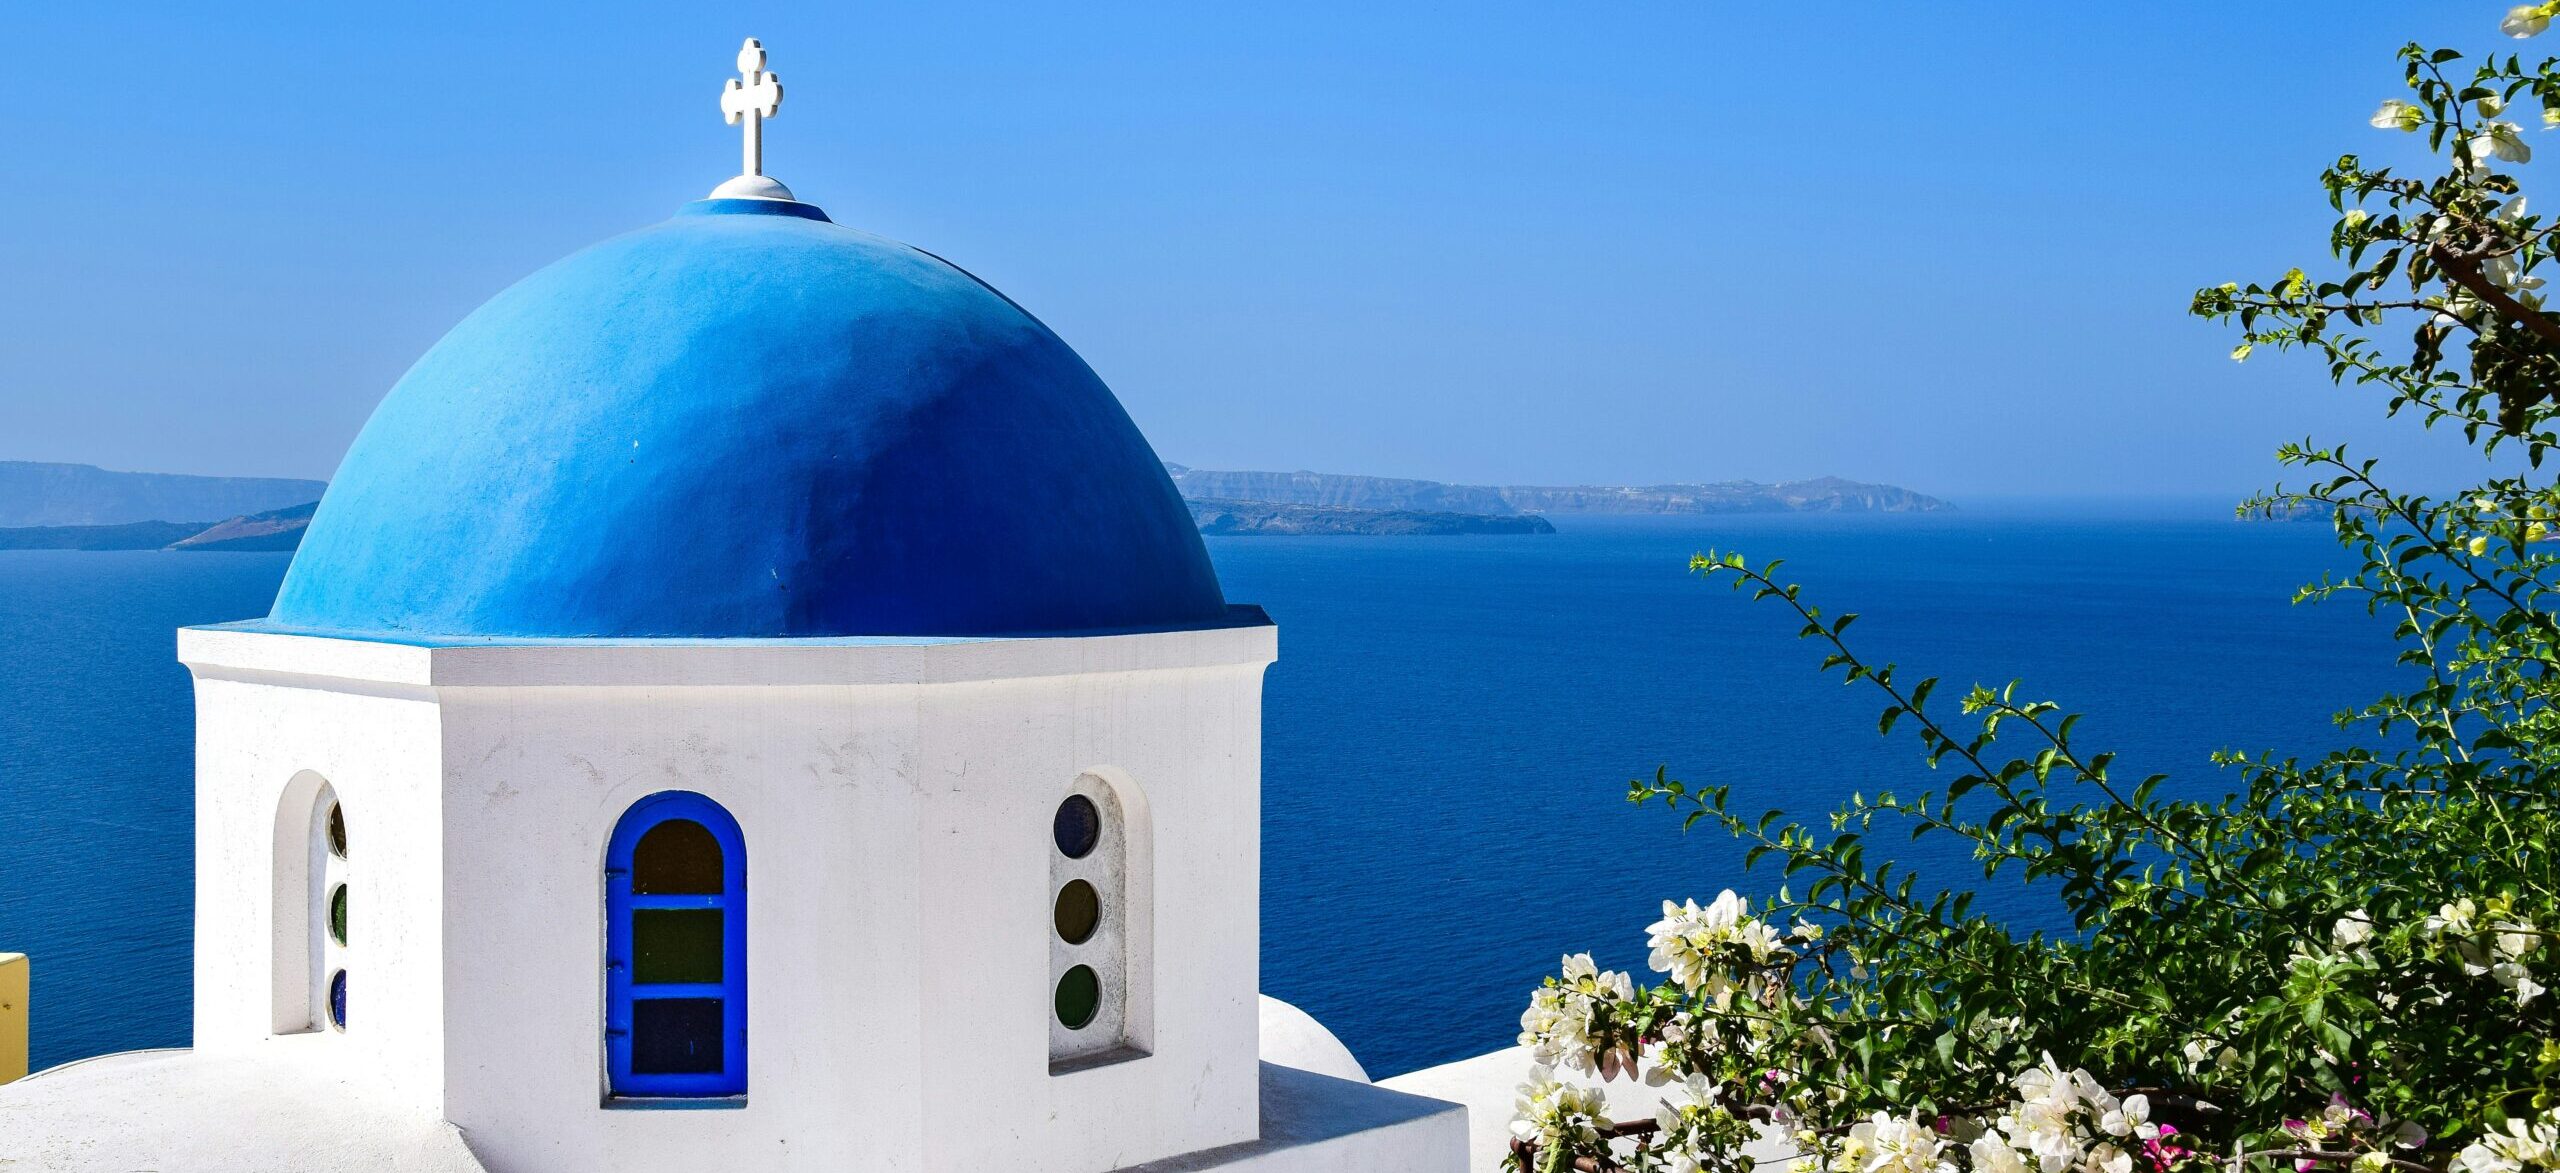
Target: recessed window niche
x=1099 y=924
x=313 y=928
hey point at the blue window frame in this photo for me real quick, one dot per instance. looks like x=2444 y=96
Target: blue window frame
x=675 y=882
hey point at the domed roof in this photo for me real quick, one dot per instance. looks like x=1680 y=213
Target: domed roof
x=749 y=421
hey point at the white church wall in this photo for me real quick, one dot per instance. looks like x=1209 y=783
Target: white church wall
x=264 y=744
x=899 y=916
x=1189 y=742
x=539 y=778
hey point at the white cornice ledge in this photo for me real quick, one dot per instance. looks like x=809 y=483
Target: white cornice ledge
x=237 y=654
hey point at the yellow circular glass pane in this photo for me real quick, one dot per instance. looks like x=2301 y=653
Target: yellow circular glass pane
x=1078 y=913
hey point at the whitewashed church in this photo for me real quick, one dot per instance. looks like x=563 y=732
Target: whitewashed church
x=750 y=700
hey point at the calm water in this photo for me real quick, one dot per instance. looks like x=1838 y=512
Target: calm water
x=1450 y=730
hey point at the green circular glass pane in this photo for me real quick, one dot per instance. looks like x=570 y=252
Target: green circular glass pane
x=338 y=914
x=1079 y=910
x=1079 y=996
x=337 y=831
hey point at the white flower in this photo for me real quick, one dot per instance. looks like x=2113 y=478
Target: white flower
x=2513 y=939
x=1558 y=1026
x=2517 y=979
x=2480 y=1158
x=2087 y=1088
x=2525 y=20
x=1692 y=1096
x=2521 y=1145
x=1551 y=1112
x=2107 y=1158
x=2051 y=1140
x=2453 y=310
x=2499 y=140
x=1557 y=1029
x=2398 y=115
x=1886 y=1144
x=1728 y=910
x=2130 y=1118
x=1760 y=939
x=2352 y=930
x=1687 y=939
x=2491 y=106
x=1992 y=1153
x=2502 y=272
x=2455 y=918
x=2047 y=1085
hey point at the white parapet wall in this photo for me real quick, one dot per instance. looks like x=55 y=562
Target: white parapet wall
x=1489 y=1087
x=896 y=798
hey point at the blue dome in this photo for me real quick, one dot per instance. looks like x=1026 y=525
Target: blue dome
x=749 y=422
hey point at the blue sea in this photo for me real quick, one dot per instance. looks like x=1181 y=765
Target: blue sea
x=1449 y=731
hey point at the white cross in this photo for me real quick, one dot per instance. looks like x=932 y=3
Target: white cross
x=752 y=100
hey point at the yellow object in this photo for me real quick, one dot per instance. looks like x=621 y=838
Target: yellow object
x=13 y=1016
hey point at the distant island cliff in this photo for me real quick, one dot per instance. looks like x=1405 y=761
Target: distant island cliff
x=40 y=494
x=82 y=507
x=276 y=529
x=1820 y=495
x=1268 y=517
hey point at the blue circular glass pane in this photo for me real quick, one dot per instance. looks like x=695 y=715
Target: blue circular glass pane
x=1078 y=827
x=338 y=999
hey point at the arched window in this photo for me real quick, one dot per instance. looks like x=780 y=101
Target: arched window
x=312 y=941
x=1096 y=926
x=675 y=882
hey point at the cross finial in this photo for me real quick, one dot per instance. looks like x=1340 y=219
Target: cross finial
x=750 y=98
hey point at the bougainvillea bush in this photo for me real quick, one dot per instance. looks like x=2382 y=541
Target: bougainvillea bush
x=2340 y=963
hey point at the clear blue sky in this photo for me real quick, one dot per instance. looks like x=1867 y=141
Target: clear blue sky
x=1943 y=245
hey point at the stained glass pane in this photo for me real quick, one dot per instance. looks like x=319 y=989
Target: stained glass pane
x=337 y=831
x=1078 y=911
x=675 y=945
x=338 y=914
x=676 y=857
x=1079 y=996
x=676 y=1036
x=338 y=999
x=1078 y=826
